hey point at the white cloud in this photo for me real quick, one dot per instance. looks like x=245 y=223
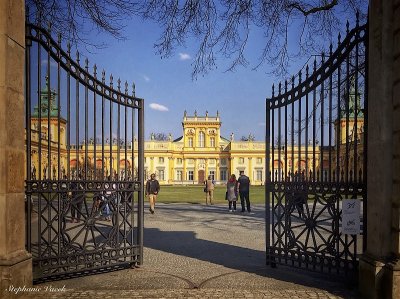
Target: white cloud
x=184 y=56
x=158 y=107
x=147 y=79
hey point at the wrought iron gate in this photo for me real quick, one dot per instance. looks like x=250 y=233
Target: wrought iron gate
x=316 y=149
x=84 y=158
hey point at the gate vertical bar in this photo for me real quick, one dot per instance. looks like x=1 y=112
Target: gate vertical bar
x=365 y=140
x=40 y=178
x=267 y=181
x=59 y=195
x=307 y=124
x=77 y=168
x=321 y=147
x=330 y=115
x=299 y=140
x=86 y=122
x=69 y=113
x=28 y=43
x=96 y=177
x=141 y=179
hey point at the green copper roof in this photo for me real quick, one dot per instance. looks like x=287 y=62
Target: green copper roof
x=354 y=103
x=45 y=103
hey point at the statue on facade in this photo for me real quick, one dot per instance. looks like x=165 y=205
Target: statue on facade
x=232 y=136
x=33 y=172
x=54 y=172
x=169 y=137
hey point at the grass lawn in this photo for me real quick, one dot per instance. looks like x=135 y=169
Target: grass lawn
x=195 y=194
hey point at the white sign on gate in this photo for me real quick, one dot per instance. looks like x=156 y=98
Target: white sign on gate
x=351 y=216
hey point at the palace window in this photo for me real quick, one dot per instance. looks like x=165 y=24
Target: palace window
x=161 y=160
x=259 y=175
x=223 y=161
x=190 y=175
x=190 y=141
x=201 y=139
x=190 y=161
x=259 y=160
x=179 y=175
x=212 y=174
x=211 y=162
x=241 y=160
x=179 y=161
x=223 y=175
x=212 y=141
x=161 y=175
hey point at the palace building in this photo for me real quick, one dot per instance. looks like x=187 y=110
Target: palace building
x=200 y=152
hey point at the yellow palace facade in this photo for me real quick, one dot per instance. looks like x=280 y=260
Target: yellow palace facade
x=200 y=152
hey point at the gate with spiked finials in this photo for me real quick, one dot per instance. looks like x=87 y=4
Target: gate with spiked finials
x=316 y=149
x=84 y=164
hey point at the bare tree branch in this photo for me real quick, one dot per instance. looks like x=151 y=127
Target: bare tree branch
x=315 y=9
x=219 y=29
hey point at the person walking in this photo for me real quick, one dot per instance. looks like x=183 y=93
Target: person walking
x=77 y=199
x=243 y=186
x=231 y=193
x=209 y=189
x=152 y=189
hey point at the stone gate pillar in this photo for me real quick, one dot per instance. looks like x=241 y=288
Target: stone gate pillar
x=380 y=265
x=15 y=262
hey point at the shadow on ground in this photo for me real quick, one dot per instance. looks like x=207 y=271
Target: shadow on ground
x=186 y=243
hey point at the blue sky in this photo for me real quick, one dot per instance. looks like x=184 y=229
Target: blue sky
x=168 y=88
x=239 y=96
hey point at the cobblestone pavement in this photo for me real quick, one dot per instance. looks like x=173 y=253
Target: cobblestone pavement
x=197 y=251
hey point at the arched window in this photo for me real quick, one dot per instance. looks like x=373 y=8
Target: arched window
x=201 y=139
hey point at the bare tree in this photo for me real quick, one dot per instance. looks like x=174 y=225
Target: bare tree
x=222 y=27
x=77 y=19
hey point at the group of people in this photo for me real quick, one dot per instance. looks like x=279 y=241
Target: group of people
x=235 y=188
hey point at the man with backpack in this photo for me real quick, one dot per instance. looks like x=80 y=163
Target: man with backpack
x=152 y=189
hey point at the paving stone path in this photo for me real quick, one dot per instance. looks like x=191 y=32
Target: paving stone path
x=198 y=251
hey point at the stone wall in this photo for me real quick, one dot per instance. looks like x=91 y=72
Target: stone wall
x=15 y=262
x=396 y=153
x=379 y=266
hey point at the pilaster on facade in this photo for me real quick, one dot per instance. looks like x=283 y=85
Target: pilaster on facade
x=195 y=174
x=151 y=165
